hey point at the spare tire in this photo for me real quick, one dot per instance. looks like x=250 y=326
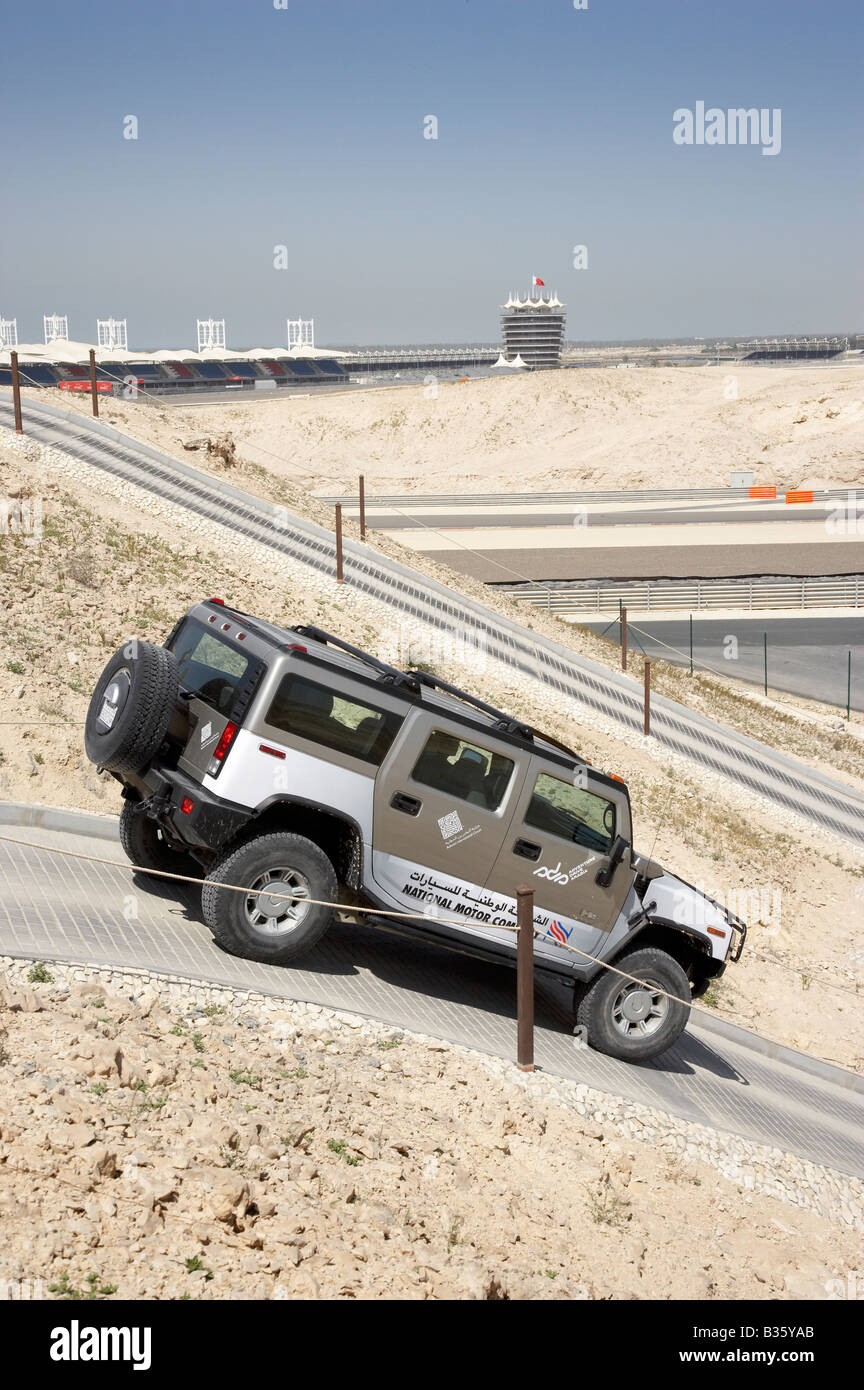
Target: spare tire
x=131 y=708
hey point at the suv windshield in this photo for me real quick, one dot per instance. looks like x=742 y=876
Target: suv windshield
x=208 y=666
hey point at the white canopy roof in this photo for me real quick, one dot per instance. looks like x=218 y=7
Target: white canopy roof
x=175 y=355
x=63 y=350
x=25 y=354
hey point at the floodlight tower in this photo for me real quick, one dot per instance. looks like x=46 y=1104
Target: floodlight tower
x=8 y=333
x=211 y=334
x=55 y=326
x=111 y=333
x=301 y=333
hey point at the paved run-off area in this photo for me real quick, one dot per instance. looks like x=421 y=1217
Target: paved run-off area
x=63 y=908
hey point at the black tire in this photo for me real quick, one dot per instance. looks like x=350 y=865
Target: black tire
x=231 y=915
x=599 y=1010
x=146 y=846
x=131 y=708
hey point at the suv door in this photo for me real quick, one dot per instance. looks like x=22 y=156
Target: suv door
x=559 y=839
x=444 y=798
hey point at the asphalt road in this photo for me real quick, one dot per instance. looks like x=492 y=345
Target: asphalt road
x=806 y=656
x=684 y=561
x=65 y=909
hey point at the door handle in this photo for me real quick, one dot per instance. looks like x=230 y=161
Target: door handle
x=401 y=801
x=526 y=849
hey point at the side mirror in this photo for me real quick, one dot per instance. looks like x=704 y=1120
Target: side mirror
x=605 y=874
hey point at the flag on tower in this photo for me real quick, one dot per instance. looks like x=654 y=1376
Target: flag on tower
x=537 y=281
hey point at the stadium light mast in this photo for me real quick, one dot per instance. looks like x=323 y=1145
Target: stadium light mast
x=111 y=333
x=8 y=333
x=55 y=326
x=301 y=333
x=211 y=334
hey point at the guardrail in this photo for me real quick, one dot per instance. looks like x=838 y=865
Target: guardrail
x=698 y=595
x=418 y=501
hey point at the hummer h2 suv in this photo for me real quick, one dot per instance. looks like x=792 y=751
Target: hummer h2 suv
x=307 y=772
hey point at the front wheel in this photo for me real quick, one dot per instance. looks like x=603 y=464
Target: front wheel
x=634 y=1019
x=286 y=880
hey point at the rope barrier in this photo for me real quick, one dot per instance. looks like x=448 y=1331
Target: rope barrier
x=376 y=912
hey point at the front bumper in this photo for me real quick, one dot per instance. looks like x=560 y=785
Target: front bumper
x=210 y=824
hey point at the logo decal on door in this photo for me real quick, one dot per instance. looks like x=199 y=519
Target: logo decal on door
x=559 y=933
x=453 y=831
x=450 y=824
x=559 y=875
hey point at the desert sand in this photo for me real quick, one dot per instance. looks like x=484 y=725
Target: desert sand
x=586 y=428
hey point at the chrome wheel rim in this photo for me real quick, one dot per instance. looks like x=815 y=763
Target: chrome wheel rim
x=277 y=901
x=639 y=1010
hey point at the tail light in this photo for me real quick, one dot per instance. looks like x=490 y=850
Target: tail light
x=221 y=750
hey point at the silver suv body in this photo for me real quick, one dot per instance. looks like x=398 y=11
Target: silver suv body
x=420 y=798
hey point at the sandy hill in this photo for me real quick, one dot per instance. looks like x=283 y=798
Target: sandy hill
x=594 y=428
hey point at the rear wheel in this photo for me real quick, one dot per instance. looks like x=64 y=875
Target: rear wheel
x=635 y=1019
x=146 y=845
x=273 y=920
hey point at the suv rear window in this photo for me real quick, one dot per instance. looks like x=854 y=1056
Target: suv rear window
x=309 y=710
x=573 y=813
x=463 y=770
x=208 y=666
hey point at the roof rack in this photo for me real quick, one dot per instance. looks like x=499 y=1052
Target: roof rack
x=505 y=722
x=392 y=674
x=415 y=680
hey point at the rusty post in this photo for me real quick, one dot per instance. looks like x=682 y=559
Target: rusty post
x=623 y=639
x=93 y=391
x=647 y=720
x=16 y=392
x=339 y=579
x=525 y=978
x=362 y=508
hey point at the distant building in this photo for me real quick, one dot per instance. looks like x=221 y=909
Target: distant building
x=533 y=329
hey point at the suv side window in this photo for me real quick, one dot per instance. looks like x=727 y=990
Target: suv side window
x=573 y=813
x=309 y=710
x=463 y=770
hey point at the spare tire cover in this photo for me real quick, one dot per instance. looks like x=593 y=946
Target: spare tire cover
x=131 y=707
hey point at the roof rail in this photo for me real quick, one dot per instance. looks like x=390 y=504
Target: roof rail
x=415 y=680
x=391 y=674
x=506 y=722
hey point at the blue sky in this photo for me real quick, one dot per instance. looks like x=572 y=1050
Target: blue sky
x=304 y=127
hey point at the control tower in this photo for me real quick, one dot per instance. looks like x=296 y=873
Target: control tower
x=533 y=329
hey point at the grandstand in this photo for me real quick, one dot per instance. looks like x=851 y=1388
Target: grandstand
x=792 y=349
x=66 y=365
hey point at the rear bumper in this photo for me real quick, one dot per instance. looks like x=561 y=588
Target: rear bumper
x=211 y=823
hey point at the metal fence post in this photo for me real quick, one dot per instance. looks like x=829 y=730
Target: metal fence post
x=765 y=658
x=339 y=578
x=623 y=639
x=93 y=391
x=362 y=508
x=849 y=685
x=525 y=977
x=16 y=392
x=691 y=644
x=646 y=724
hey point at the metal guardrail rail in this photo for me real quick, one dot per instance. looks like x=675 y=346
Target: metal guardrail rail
x=697 y=595
x=825 y=802
x=419 y=501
